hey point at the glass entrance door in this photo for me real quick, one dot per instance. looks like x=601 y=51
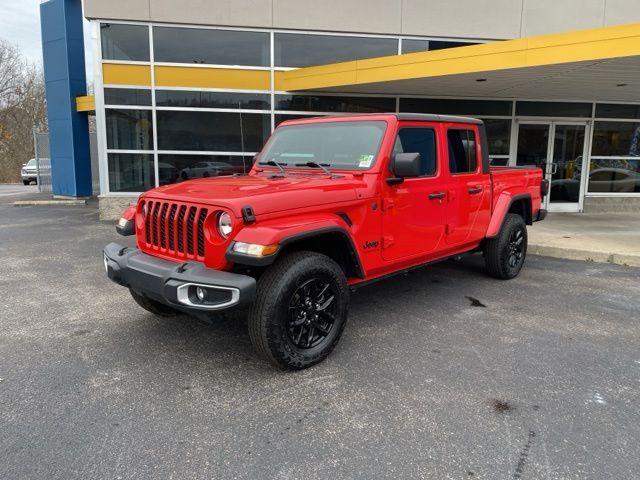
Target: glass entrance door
x=558 y=149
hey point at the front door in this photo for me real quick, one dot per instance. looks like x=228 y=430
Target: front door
x=413 y=219
x=558 y=148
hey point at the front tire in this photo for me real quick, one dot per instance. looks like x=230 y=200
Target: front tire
x=152 y=306
x=26 y=182
x=504 y=254
x=300 y=310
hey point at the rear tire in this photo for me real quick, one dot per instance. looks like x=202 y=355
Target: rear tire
x=152 y=306
x=504 y=254
x=300 y=310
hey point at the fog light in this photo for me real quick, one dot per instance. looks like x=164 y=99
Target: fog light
x=201 y=293
x=254 y=249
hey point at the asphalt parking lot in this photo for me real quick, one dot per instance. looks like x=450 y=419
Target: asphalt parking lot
x=442 y=373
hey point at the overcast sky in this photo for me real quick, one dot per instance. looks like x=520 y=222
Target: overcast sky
x=20 y=25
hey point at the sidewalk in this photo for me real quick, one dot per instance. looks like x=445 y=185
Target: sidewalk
x=597 y=237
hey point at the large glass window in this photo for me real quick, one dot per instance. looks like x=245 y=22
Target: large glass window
x=176 y=168
x=300 y=50
x=620 y=139
x=455 y=107
x=327 y=103
x=195 y=99
x=422 y=141
x=209 y=46
x=124 y=42
x=130 y=172
x=127 y=96
x=343 y=145
x=129 y=129
x=498 y=135
x=553 y=109
x=212 y=131
x=462 y=151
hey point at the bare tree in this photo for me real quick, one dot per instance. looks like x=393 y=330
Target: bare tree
x=22 y=106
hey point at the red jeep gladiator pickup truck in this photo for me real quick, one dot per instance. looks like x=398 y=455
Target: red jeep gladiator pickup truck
x=330 y=204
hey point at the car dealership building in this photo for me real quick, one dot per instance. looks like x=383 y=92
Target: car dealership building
x=193 y=88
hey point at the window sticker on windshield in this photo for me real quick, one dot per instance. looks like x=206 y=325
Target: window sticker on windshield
x=365 y=161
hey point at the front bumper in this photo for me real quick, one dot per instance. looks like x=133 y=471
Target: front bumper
x=29 y=176
x=175 y=284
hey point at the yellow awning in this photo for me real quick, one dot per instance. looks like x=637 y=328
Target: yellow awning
x=596 y=64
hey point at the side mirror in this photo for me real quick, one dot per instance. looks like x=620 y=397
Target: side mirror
x=404 y=165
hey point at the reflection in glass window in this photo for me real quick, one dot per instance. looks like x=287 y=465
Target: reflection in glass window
x=614 y=176
x=212 y=131
x=195 y=99
x=210 y=46
x=299 y=50
x=343 y=145
x=412 y=45
x=279 y=118
x=498 y=135
x=129 y=129
x=499 y=162
x=616 y=110
x=621 y=139
x=124 y=42
x=127 y=96
x=422 y=141
x=455 y=107
x=177 y=168
x=330 y=103
x=130 y=172
x=553 y=109
x=462 y=151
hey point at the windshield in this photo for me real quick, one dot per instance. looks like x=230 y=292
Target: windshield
x=341 y=145
x=31 y=163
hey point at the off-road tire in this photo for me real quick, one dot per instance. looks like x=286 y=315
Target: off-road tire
x=152 y=306
x=498 y=255
x=269 y=317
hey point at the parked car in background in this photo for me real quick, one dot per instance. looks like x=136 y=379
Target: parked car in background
x=29 y=172
x=207 y=169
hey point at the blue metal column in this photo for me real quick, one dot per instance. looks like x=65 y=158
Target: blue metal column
x=64 y=75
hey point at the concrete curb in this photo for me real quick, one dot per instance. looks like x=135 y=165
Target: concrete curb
x=38 y=203
x=584 y=255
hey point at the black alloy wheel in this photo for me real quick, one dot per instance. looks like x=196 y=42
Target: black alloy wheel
x=312 y=312
x=516 y=247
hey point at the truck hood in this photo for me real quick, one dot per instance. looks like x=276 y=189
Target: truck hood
x=264 y=193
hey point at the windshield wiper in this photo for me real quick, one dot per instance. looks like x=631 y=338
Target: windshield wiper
x=322 y=166
x=273 y=163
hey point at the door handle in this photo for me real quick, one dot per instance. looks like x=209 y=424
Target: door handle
x=475 y=190
x=436 y=196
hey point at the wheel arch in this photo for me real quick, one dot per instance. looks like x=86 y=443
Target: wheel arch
x=332 y=241
x=520 y=204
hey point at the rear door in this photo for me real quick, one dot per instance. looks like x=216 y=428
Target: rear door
x=468 y=187
x=413 y=220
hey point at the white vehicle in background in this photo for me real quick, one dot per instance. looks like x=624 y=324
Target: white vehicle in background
x=207 y=169
x=29 y=172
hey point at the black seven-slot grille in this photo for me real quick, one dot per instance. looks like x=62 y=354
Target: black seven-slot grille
x=176 y=228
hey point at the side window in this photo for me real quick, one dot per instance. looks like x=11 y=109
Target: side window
x=422 y=141
x=462 y=151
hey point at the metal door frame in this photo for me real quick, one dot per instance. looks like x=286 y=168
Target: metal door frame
x=547 y=204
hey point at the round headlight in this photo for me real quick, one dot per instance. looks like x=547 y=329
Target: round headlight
x=143 y=209
x=224 y=224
